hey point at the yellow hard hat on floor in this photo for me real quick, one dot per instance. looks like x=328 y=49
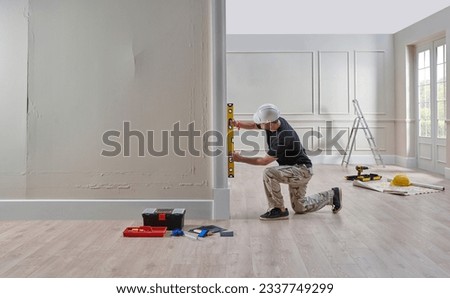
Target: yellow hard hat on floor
x=400 y=180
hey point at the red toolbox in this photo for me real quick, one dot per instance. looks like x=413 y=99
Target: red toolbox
x=144 y=231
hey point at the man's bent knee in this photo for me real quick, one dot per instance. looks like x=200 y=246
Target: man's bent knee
x=269 y=173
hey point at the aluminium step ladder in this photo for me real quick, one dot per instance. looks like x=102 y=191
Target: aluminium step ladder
x=360 y=123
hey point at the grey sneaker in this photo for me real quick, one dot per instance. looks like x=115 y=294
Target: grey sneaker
x=337 y=199
x=275 y=214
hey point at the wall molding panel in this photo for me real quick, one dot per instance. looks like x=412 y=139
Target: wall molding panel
x=370 y=81
x=341 y=67
x=334 y=83
x=283 y=77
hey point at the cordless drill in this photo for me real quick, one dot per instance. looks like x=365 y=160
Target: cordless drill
x=361 y=176
x=360 y=169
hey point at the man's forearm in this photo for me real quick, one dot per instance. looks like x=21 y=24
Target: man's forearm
x=246 y=124
x=256 y=161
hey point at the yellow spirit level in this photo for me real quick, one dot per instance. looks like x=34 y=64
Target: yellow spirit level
x=230 y=142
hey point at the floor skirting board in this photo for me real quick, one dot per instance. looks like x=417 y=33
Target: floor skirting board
x=406 y=162
x=54 y=209
x=354 y=159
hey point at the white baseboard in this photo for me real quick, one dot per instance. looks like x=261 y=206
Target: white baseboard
x=355 y=159
x=406 y=162
x=221 y=207
x=447 y=173
x=53 y=209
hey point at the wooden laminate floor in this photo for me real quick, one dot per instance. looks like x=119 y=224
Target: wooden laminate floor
x=375 y=235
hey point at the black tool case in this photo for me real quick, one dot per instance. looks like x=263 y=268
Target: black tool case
x=170 y=218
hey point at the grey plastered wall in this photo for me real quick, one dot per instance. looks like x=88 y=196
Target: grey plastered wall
x=437 y=25
x=94 y=65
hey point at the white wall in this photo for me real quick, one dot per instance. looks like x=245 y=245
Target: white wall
x=13 y=97
x=313 y=79
x=437 y=25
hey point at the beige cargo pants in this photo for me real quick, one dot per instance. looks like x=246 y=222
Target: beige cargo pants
x=297 y=177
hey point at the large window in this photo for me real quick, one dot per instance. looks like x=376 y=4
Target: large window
x=431 y=91
x=431 y=106
x=424 y=92
x=441 y=90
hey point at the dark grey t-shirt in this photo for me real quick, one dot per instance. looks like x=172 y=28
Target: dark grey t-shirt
x=285 y=145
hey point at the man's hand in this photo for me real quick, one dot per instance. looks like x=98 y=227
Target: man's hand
x=237 y=156
x=244 y=124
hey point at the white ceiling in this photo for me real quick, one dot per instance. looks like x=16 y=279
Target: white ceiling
x=327 y=16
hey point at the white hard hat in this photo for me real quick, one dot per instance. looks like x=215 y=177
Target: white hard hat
x=266 y=113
